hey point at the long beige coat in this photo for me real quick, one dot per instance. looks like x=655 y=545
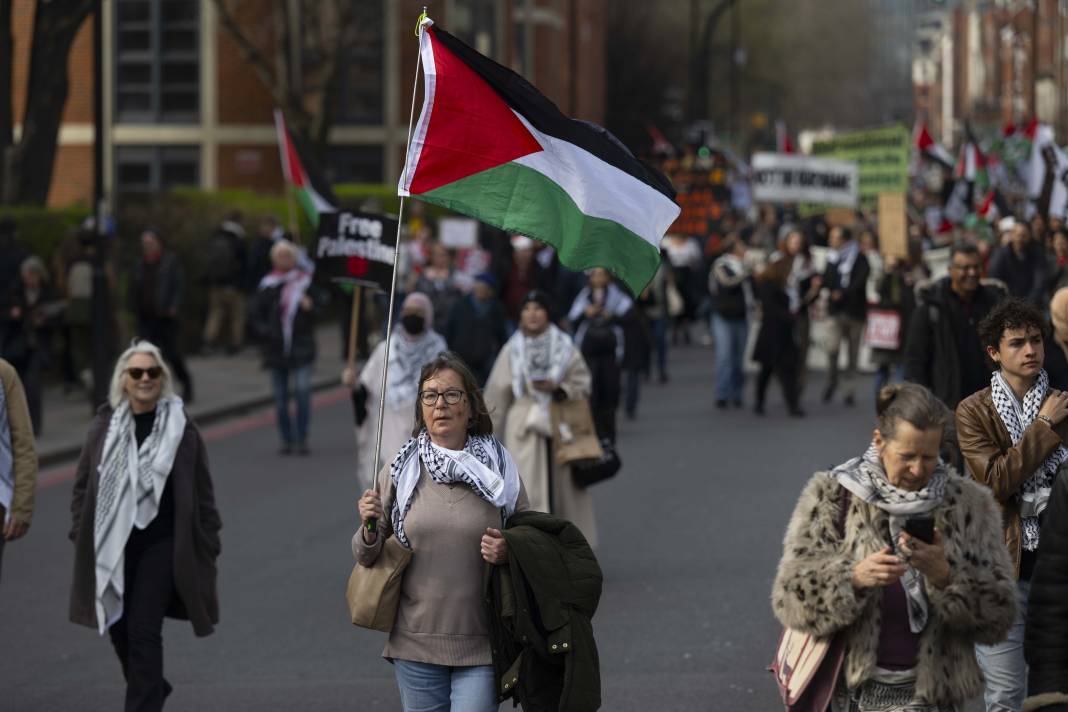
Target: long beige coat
x=530 y=450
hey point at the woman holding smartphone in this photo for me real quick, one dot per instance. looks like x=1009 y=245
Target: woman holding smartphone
x=911 y=611
x=537 y=365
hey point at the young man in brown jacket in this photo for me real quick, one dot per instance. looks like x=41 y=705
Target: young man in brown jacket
x=1012 y=435
x=18 y=458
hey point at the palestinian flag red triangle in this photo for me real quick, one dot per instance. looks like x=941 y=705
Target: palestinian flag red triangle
x=488 y=144
x=470 y=128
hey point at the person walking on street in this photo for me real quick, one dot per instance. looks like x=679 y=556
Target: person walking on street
x=1011 y=434
x=144 y=524
x=1022 y=265
x=477 y=327
x=438 y=282
x=803 y=288
x=32 y=312
x=226 y=269
x=414 y=344
x=897 y=296
x=857 y=562
x=598 y=316
x=539 y=364
x=943 y=351
x=846 y=279
x=284 y=321
x=729 y=284
x=445 y=496
x=155 y=295
x=654 y=300
x=18 y=459
x=776 y=344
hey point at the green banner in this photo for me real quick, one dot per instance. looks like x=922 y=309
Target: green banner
x=882 y=155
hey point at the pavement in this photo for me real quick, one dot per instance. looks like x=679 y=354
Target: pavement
x=691 y=533
x=225 y=386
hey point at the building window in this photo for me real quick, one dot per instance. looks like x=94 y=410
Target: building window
x=475 y=22
x=355 y=164
x=361 y=73
x=157 y=61
x=144 y=171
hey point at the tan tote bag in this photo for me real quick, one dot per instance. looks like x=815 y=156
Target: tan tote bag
x=574 y=435
x=374 y=593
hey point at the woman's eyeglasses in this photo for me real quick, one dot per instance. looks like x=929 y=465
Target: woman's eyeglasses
x=153 y=373
x=451 y=396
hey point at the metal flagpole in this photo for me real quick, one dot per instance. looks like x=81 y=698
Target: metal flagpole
x=371 y=524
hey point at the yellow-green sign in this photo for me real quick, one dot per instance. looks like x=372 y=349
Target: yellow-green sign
x=881 y=154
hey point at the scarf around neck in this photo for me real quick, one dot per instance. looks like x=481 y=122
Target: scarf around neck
x=7 y=458
x=866 y=479
x=538 y=358
x=845 y=258
x=484 y=465
x=1017 y=416
x=295 y=284
x=131 y=482
x=407 y=356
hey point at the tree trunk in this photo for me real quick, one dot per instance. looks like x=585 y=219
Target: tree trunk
x=55 y=26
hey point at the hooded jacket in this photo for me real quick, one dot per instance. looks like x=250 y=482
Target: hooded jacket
x=540 y=607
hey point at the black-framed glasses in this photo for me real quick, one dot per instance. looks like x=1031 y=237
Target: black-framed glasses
x=153 y=373
x=451 y=396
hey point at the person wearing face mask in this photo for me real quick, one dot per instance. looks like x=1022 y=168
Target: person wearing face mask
x=414 y=343
x=901 y=559
x=537 y=365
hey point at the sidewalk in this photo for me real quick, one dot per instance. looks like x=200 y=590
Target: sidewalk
x=224 y=386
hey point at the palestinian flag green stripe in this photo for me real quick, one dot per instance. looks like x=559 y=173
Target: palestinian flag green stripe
x=519 y=199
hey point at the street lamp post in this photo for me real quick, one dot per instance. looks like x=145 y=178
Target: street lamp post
x=101 y=333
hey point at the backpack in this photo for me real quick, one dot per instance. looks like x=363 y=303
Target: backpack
x=80 y=293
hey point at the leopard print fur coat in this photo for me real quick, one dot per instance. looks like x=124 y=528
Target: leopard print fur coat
x=813 y=590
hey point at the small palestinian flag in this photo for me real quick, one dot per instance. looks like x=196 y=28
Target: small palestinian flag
x=313 y=193
x=928 y=148
x=489 y=145
x=994 y=206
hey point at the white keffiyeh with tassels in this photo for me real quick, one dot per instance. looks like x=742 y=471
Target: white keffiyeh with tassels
x=1017 y=416
x=130 y=487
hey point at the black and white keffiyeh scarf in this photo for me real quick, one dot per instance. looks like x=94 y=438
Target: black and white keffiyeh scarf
x=484 y=465
x=538 y=358
x=1017 y=416
x=131 y=482
x=866 y=479
x=845 y=258
x=295 y=284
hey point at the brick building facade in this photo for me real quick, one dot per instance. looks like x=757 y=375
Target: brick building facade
x=185 y=108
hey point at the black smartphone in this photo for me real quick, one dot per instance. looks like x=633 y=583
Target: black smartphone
x=921 y=527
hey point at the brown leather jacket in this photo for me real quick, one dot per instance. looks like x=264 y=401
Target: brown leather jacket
x=994 y=461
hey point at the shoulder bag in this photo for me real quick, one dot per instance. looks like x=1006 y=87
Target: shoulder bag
x=574 y=434
x=373 y=592
x=807 y=667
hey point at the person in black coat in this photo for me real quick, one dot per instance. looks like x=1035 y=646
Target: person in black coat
x=477 y=327
x=846 y=279
x=155 y=296
x=943 y=351
x=776 y=345
x=226 y=268
x=29 y=318
x=283 y=318
x=1022 y=265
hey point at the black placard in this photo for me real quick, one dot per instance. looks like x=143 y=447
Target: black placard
x=356 y=248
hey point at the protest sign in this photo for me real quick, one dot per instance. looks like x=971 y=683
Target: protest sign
x=893 y=225
x=881 y=155
x=458 y=233
x=356 y=248
x=790 y=178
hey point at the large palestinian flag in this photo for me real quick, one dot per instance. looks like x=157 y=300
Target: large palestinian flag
x=489 y=145
x=313 y=193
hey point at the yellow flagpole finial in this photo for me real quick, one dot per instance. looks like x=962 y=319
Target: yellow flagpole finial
x=419 y=22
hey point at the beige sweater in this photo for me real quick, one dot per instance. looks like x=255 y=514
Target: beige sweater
x=23 y=445
x=441 y=618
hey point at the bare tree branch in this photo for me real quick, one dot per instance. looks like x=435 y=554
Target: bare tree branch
x=253 y=55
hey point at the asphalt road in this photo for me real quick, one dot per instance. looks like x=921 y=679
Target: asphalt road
x=691 y=532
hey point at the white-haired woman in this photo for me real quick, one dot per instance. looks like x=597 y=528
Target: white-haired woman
x=145 y=528
x=283 y=317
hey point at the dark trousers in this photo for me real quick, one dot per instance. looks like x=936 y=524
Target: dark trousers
x=3 y=518
x=164 y=333
x=633 y=390
x=786 y=371
x=138 y=634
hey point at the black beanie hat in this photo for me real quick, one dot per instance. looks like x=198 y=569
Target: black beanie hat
x=541 y=298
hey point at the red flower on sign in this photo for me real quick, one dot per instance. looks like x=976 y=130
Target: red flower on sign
x=357 y=266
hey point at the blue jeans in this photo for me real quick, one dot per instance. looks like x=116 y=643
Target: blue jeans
x=1003 y=665
x=439 y=688
x=302 y=394
x=730 y=336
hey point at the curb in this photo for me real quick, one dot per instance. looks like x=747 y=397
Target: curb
x=61 y=454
